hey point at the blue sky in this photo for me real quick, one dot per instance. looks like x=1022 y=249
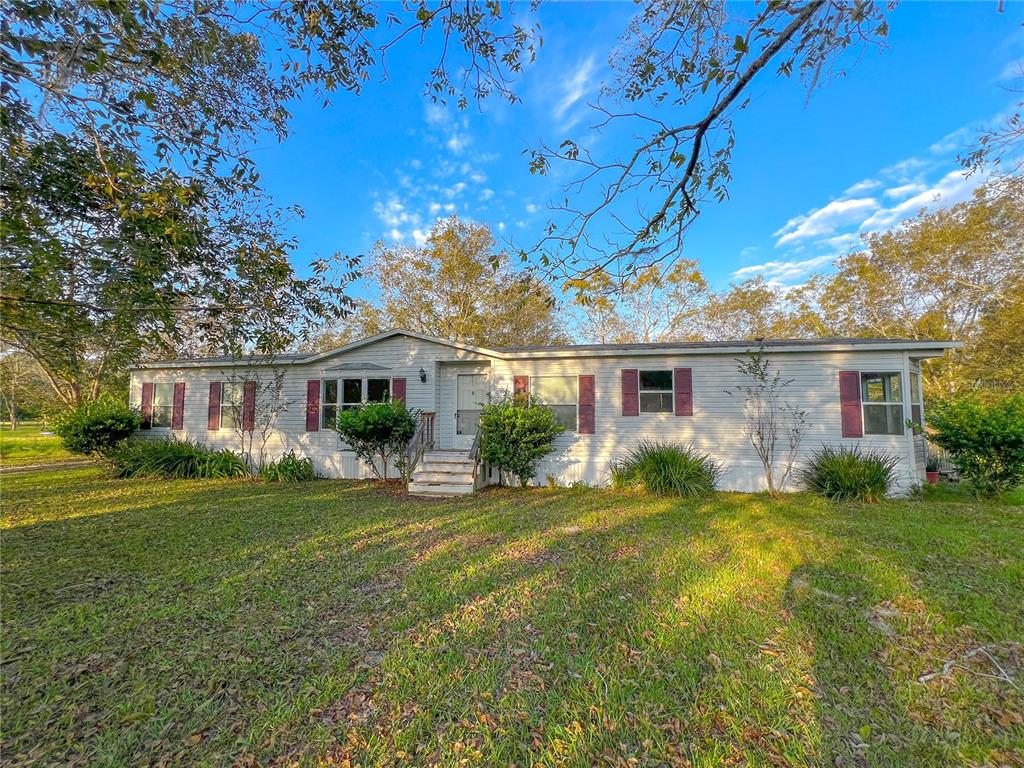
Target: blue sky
x=866 y=151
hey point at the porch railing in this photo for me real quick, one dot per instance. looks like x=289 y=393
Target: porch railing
x=474 y=454
x=422 y=441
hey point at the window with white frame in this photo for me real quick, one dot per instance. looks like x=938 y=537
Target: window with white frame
x=231 y=395
x=560 y=394
x=163 y=405
x=656 y=392
x=882 y=401
x=345 y=394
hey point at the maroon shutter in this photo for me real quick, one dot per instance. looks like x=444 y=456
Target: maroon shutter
x=213 y=413
x=630 y=392
x=398 y=390
x=849 y=404
x=178 y=410
x=147 y=405
x=520 y=385
x=249 y=406
x=586 y=396
x=683 y=391
x=313 y=405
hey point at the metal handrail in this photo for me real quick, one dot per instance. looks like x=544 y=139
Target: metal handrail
x=421 y=441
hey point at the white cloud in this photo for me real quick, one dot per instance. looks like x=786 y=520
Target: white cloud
x=436 y=114
x=782 y=272
x=501 y=226
x=825 y=221
x=954 y=187
x=904 y=190
x=532 y=208
x=575 y=88
x=419 y=236
x=861 y=187
x=486 y=194
x=393 y=213
x=434 y=208
x=1013 y=70
x=457 y=142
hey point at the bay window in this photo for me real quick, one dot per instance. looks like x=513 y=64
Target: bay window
x=346 y=394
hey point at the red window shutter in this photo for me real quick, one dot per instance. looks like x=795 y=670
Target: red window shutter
x=249 y=406
x=398 y=390
x=849 y=404
x=520 y=385
x=178 y=410
x=630 y=392
x=213 y=413
x=586 y=405
x=683 y=390
x=147 y=405
x=313 y=405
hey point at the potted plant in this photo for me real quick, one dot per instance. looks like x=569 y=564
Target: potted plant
x=931 y=468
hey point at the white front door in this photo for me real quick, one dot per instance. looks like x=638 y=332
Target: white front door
x=470 y=396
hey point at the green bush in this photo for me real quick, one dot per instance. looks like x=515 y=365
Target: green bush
x=984 y=440
x=377 y=432
x=96 y=427
x=666 y=469
x=175 y=459
x=516 y=434
x=288 y=469
x=849 y=474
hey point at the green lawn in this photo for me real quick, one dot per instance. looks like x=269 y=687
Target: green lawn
x=217 y=623
x=25 y=445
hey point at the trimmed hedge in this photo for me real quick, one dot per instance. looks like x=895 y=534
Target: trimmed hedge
x=96 y=427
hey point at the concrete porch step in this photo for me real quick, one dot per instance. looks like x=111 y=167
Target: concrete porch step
x=430 y=475
x=418 y=488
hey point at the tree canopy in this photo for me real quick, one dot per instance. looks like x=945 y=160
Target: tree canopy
x=459 y=285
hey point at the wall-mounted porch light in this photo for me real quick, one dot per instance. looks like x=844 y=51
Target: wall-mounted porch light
x=423 y=376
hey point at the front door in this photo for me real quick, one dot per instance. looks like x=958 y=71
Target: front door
x=470 y=395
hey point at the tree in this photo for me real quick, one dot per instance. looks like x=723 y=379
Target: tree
x=96 y=276
x=769 y=418
x=458 y=286
x=23 y=390
x=126 y=133
x=656 y=305
x=935 y=277
x=682 y=70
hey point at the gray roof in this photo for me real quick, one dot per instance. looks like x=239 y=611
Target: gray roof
x=738 y=343
x=832 y=343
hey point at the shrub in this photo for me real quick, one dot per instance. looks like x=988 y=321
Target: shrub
x=666 y=469
x=377 y=432
x=849 y=474
x=96 y=427
x=175 y=459
x=516 y=434
x=984 y=440
x=288 y=469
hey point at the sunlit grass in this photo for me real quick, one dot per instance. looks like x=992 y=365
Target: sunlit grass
x=224 y=622
x=26 y=445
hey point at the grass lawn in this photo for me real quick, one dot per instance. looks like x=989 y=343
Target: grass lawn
x=25 y=445
x=217 y=623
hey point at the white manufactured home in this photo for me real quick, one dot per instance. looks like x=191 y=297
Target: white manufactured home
x=854 y=391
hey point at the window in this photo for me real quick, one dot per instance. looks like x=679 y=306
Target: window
x=231 y=395
x=656 y=392
x=915 y=399
x=352 y=395
x=882 y=399
x=560 y=394
x=163 y=405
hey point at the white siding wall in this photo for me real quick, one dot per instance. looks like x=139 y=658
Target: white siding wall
x=717 y=422
x=715 y=427
x=402 y=355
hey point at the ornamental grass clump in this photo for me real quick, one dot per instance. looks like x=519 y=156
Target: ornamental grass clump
x=175 y=459
x=842 y=473
x=666 y=469
x=288 y=469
